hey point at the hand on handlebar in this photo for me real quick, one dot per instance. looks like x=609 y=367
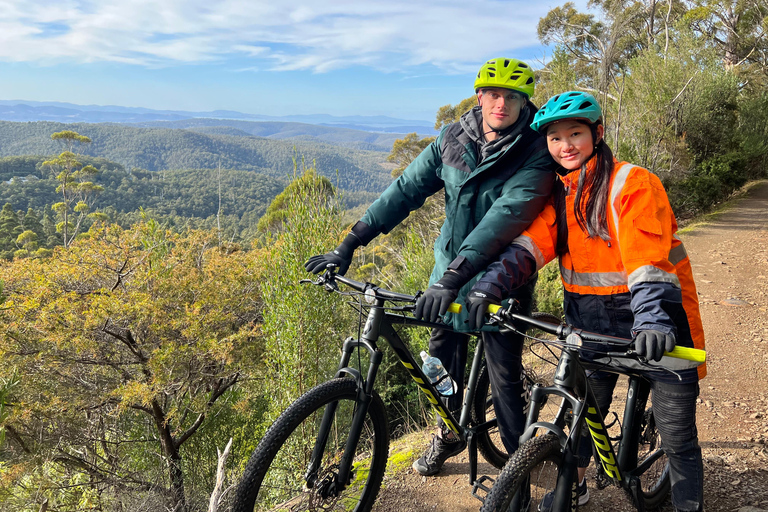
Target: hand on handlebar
x=477 y=305
x=433 y=304
x=340 y=257
x=652 y=344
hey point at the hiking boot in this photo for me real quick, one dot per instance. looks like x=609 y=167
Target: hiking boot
x=546 y=502
x=438 y=452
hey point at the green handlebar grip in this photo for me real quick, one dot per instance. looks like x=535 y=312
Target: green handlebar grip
x=690 y=354
x=454 y=307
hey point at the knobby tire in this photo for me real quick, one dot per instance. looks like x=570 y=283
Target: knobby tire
x=488 y=442
x=274 y=478
x=537 y=462
x=655 y=480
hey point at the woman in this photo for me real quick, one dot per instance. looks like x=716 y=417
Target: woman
x=625 y=273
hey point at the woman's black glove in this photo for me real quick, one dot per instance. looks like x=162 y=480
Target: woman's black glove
x=340 y=257
x=477 y=305
x=652 y=344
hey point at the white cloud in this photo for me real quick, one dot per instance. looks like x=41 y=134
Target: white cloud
x=301 y=34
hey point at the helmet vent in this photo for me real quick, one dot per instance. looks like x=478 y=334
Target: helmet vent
x=506 y=62
x=523 y=65
x=491 y=74
x=584 y=105
x=530 y=81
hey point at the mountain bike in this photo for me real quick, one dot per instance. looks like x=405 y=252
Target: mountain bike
x=547 y=458
x=328 y=450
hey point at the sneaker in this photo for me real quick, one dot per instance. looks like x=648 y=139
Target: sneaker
x=546 y=502
x=438 y=452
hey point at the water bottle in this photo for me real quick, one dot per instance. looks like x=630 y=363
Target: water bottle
x=434 y=370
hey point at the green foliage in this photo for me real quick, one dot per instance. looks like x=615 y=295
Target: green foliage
x=405 y=150
x=549 y=290
x=129 y=342
x=448 y=114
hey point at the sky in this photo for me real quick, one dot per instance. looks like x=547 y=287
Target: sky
x=400 y=58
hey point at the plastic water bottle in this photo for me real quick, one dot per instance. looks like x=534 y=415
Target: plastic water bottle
x=434 y=370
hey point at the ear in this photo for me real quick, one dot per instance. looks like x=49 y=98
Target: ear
x=600 y=132
x=480 y=98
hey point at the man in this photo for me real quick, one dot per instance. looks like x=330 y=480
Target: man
x=497 y=175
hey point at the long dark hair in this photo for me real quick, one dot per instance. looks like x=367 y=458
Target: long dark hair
x=590 y=212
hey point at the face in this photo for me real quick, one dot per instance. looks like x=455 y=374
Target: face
x=500 y=107
x=570 y=142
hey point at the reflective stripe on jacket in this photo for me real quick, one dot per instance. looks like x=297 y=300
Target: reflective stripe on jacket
x=639 y=279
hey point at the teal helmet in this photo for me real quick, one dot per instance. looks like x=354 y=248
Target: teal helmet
x=568 y=105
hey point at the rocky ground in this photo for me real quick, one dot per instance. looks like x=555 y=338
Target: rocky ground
x=729 y=253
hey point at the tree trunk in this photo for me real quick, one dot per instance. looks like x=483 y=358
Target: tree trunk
x=172 y=458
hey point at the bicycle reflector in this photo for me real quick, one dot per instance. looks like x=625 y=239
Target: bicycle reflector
x=574 y=339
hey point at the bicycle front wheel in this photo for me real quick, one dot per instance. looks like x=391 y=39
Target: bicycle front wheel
x=275 y=477
x=532 y=471
x=654 y=479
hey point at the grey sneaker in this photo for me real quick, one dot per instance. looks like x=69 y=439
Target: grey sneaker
x=546 y=502
x=438 y=452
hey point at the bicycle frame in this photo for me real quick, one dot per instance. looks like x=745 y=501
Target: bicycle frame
x=380 y=324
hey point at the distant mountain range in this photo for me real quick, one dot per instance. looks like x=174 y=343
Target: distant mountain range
x=23 y=110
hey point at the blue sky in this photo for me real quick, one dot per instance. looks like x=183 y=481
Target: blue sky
x=402 y=58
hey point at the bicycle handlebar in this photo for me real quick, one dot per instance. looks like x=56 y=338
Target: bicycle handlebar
x=564 y=330
x=560 y=330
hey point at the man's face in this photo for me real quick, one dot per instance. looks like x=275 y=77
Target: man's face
x=500 y=107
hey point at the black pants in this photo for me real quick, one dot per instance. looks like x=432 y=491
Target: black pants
x=503 y=355
x=674 y=408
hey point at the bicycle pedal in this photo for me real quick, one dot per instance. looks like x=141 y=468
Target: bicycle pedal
x=480 y=485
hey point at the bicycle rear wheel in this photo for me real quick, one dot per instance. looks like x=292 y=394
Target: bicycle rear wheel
x=275 y=476
x=655 y=478
x=489 y=441
x=532 y=470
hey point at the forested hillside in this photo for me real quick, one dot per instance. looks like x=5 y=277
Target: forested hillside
x=157 y=149
x=355 y=139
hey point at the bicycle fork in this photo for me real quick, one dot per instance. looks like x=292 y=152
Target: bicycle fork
x=364 y=396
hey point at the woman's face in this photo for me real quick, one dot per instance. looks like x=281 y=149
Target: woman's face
x=570 y=142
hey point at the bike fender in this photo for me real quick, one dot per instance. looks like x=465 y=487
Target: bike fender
x=530 y=432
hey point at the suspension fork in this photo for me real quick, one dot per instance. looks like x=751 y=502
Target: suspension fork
x=363 y=399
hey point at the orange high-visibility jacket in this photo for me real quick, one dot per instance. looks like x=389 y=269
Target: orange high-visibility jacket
x=639 y=279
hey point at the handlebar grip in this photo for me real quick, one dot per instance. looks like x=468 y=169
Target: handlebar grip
x=454 y=307
x=689 y=354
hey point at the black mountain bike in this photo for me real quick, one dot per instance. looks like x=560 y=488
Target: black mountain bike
x=547 y=458
x=329 y=449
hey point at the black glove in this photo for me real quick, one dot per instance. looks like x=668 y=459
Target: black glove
x=434 y=303
x=652 y=344
x=477 y=304
x=340 y=257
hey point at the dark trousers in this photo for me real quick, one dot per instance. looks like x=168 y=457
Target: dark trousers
x=503 y=355
x=674 y=408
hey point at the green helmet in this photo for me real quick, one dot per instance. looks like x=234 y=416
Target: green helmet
x=506 y=73
x=572 y=104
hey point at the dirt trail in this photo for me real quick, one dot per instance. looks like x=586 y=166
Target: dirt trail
x=729 y=255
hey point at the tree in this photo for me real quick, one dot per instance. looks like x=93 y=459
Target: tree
x=405 y=150
x=128 y=341
x=75 y=187
x=10 y=229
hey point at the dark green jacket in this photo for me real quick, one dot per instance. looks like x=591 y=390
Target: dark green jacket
x=488 y=201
